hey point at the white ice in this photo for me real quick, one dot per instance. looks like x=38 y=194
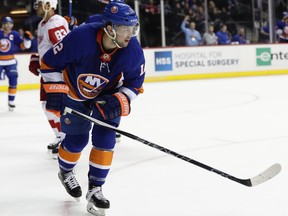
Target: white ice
x=237 y=125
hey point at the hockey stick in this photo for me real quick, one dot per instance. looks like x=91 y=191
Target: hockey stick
x=259 y=179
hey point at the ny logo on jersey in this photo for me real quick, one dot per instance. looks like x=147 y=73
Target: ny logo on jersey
x=90 y=85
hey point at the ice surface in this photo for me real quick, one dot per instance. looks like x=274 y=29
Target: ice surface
x=237 y=125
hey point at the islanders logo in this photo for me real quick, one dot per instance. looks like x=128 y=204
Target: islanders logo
x=5 y=45
x=114 y=9
x=90 y=85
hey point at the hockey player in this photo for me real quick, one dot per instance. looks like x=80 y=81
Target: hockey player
x=98 y=18
x=10 y=40
x=51 y=29
x=103 y=71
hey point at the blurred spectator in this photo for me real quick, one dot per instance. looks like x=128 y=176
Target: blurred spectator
x=21 y=32
x=192 y=36
x=283 y=38
x=152 y=8
x=200 y=19
x=210 y=38
x=239 y=38
x=150 y=24
x=281 y=24
x=264 y=32
x=223 y=35
x=178 y=13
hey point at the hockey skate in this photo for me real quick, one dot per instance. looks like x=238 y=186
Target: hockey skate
x=55 y=144
x=118 y=137
x=70 y=183
x=54 y=147
x=11 y=106
x=97 y=203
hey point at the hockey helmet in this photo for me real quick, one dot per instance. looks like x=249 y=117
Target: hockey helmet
x=53 y=3
x=7 y=19
x=119 y=13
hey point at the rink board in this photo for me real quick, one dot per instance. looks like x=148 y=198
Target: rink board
x=186 y=63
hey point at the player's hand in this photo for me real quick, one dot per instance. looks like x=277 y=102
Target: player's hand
x=55 y=96
x=28 y=35
x=34 y=66
x=112 y=106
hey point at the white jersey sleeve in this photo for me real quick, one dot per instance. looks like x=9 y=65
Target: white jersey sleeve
x=50 y=32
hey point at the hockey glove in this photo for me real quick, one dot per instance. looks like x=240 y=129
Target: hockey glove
x=113 y=106
x=34 y=66
x=55 y=95
x=28 y=35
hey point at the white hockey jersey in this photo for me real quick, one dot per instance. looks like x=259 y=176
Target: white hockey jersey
x=50 y=32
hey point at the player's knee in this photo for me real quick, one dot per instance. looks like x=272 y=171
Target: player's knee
x=75 y=143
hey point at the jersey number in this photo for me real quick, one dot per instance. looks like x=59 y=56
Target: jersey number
x=57 y=34
x=57 y=48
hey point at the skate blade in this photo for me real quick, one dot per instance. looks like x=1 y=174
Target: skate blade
x=11 y=109
x=92 y=209
x=78 y=199
x=53 y=156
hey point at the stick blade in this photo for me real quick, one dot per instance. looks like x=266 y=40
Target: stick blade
x=267 y=174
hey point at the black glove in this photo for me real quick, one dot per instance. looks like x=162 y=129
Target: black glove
x=27 y=35
x=112 y=106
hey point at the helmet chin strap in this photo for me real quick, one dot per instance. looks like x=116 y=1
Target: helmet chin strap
x=46 y=11
x=112 y=38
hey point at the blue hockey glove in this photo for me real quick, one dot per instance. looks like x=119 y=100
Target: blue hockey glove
x=112 y=106
x=55 y=94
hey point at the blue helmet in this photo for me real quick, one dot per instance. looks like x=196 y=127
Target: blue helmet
x=7 y=19
x=119 y=13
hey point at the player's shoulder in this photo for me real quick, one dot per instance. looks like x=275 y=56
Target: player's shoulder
x=134 y=48
x=15 y=33
x=56 y=17
x=133 y=54
x=87 y=29
x=56 y=20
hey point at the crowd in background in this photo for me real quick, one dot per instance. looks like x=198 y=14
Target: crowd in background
x=229 y=20
x=228 y=23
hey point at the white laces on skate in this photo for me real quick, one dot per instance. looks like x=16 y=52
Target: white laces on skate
x=97 y=192
x=71 y=180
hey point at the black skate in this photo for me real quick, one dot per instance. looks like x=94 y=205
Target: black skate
x=11 y=106
x=70 y=183
x=55 y=144
x=97 y=203
x=54 y=147
x=118 y=137
x=55 y=153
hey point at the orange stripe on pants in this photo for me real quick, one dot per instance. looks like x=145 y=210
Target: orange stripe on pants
x=69 y=156
x=103 y=158
x=12 y=91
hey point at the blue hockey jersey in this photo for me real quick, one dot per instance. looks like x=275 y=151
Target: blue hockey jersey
x=8 y=45
x=88 y=70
